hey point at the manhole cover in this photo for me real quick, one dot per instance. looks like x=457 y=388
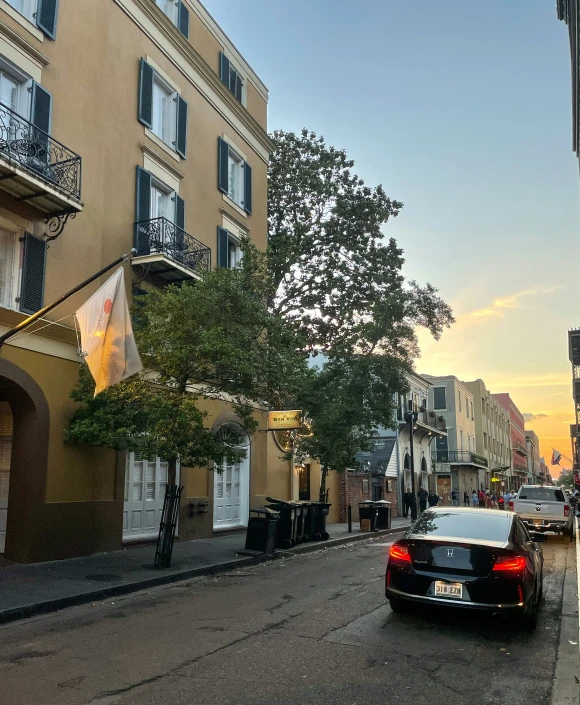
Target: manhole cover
x=105 y=577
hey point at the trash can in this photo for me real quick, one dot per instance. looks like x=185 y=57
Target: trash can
x=383 y=514
x=261 y=534
x=286 y=535
x=320 y=521
x=308 y=520
x=367 y=515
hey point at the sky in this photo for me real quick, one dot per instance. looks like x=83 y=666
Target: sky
x=463 y=112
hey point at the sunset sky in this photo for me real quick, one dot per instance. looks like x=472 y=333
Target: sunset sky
x=463 y=112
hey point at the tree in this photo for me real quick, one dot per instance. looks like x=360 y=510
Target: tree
x=339 y=282
x=210 y=340
x=566 y=479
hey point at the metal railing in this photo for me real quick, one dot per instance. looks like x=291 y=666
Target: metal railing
x=459 y=456
x=430 y=418
x=39 y=153
x=161 y=236
x=519 y=447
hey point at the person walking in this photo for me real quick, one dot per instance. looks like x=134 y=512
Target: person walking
x=474 y=498
x=423 y=496
x=481 y=498
x=488 y=499
x=507 y=498
x=465 y=499
x=407 y=502
x=455 y=498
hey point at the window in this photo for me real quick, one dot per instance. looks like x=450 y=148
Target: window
x=9 y=261
x=472 y=414
x=42 y=13
x=485 y=440
x=229 y=250
x=163 y=111
x=463 y=525
x=21 y=271
x=459 y=400
x=24 y=7
x=234 y=176
x=231 y=78
x=162 y=201
x=461 y=438
x=439 y=401
x=177 y=13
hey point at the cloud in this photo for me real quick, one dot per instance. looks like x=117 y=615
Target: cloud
x=499 y=306
x=532 y=417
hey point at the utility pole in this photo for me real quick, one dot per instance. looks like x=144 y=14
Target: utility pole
x=411 y=417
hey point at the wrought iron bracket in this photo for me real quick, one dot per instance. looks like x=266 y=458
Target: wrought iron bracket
x=56 y=223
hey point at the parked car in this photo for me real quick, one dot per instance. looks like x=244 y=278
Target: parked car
x=477 y=559
x=544 y=508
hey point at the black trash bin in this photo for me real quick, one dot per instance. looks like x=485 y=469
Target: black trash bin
x=367 y=510
x=261 y=534
x=383 y=514
x=322 y=509
x=308 y=520
x=286 y=535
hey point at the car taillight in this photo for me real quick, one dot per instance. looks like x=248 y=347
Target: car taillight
x=514 y=564
x=400 y=553
x=511 y=506
x=566 y=510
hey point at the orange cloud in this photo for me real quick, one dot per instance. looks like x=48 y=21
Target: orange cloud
x=500 y=306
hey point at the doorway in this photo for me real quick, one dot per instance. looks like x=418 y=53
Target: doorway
x=304 y=482
x=6 y=428
x=231 y=491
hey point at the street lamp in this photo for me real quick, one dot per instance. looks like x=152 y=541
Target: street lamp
x=411 y=417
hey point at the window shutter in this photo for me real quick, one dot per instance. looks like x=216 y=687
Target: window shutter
x=46 y=15
x=41 y=108
x=32 y=285
x=181 y=142
x=223 y=154
x=239 y=87
x=183 y=20
x=179 y=222
x=222 y=247
x=247 y=188
x=146 y=94
x=142 y=211
x=224 y=69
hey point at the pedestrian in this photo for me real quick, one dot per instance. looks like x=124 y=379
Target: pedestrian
x=493 y=500
x=407 y=502
x=474 y=498
x=481 y=498
x=501 y=502
x=507 y=498
x=465 y=499
x=423 y=496
x=433 y=499
x=488 y=499
x=455 y=498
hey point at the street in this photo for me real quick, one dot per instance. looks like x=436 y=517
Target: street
x=312 y=629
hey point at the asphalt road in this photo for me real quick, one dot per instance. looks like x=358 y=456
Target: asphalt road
x=308 y=630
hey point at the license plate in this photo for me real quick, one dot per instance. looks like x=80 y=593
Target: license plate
x=448 y=589
x=538 y=522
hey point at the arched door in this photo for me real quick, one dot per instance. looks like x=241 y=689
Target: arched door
x=6 y=426
x=231 y=492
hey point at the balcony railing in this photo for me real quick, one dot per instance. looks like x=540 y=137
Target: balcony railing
x=39 y=154
x=161 y=236
x=463 y=457
x=429 y=418
x=519 y=447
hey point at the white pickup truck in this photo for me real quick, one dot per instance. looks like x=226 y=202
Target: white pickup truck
x=544 y=508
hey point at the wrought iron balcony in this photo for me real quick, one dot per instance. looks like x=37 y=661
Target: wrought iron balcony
x=519 y=447
x=37 y=168
x=170 y=251
x=459 y=457
x=429 y=419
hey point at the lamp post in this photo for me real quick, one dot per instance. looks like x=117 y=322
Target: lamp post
x=411 y=417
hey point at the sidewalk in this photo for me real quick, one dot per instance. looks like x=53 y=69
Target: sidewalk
x=29 y=589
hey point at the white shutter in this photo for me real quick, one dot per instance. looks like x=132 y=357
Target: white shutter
x=150 y=482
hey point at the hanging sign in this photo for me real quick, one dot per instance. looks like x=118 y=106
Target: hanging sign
x=284 y=420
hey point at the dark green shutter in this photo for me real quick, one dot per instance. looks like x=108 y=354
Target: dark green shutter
x=181 y=142
x=41 y=108
x=224 y=69
x=180 y=223
x=239 y=87
x=32 y=285
x=247 y=188
x=142 y=211
x=146 y=94
x=223 y=165
x=223 y=259
x=183 y=20
x=46 y=15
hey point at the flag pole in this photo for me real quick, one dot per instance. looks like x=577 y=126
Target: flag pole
x=35 y=316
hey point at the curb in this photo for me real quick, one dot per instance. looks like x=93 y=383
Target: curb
x=15 y=613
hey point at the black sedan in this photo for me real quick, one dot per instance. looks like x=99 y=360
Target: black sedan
x=478 y=559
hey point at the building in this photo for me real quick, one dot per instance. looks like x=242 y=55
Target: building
x=574 y=356
x=569 y=12
x=535 y=471
x=122 y=123
x=519 y=465
x=492 y=436
x=384 y=472
x=545 y=477
x=457 y=464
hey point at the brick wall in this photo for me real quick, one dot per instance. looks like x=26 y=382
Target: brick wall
x=355 y=487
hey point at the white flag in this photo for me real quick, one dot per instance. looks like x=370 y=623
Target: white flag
x=107 y=341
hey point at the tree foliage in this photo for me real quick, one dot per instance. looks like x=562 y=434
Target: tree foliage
x=214 y=339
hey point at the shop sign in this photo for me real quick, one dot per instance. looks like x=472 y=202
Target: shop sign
x=284 y=420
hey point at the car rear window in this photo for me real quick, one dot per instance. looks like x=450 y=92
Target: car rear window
x=548 y=494
x=463 y=525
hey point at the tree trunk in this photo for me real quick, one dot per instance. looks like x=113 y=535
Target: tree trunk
x=172 y=472
x=322 y=493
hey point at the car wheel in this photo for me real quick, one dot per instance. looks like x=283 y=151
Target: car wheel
x=397 y=605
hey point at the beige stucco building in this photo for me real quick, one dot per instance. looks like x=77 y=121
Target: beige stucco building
x=122 y=123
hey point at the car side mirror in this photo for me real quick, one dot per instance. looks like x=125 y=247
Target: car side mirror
x=538 y=537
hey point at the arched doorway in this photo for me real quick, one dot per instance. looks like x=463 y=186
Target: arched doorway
x=231 y=489
x=6 y=429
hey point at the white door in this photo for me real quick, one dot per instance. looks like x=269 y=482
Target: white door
x=145 y=482
x=231 y=495
x=5 y=455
